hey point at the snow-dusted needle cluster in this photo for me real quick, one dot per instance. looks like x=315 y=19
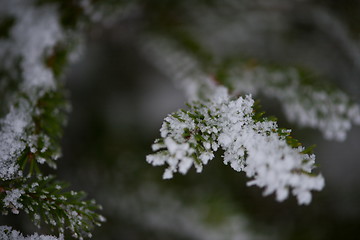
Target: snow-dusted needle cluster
x=7 y=233
x=250 y=143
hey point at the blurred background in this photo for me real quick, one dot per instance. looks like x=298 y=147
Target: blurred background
x=119 y=100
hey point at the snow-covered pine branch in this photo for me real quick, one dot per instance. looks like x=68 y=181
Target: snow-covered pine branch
x=36 y=42
x=251 y=143
x=46 y=202
x=33 y=36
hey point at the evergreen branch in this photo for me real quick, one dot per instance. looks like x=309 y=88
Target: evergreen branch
x=38 y=41
x=251 y=143
x=34 y=114
x=45 y=201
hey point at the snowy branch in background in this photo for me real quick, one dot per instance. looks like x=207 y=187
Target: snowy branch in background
x=327 y=109
x=305 y=101
x=180 y=67
x=171 y=215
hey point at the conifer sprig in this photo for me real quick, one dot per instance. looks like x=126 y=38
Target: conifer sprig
x=45 y=200
x=251 y=143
